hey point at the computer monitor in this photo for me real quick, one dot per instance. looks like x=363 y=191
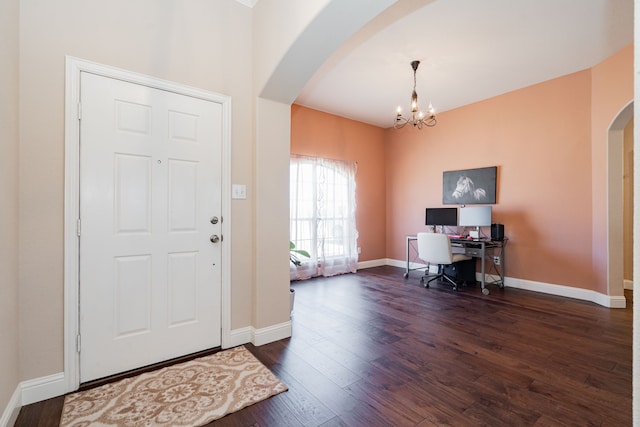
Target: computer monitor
x=441 y=216
x=475 y=216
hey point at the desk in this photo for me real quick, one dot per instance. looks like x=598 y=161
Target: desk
x=485 y=249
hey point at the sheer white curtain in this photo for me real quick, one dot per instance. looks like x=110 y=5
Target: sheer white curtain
x=323 y=216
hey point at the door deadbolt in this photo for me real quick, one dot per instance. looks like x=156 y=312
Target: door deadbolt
x=214 y=238
x=214 y=220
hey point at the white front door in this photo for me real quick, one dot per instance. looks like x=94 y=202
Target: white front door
x=150 y=187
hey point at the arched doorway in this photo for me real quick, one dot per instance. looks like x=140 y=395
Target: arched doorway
x=615 y=202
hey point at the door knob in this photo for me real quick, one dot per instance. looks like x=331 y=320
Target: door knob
x=214 y=220
x=214 y=238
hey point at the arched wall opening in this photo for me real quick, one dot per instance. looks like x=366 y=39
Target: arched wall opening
x=277 y=83
x=615 y=202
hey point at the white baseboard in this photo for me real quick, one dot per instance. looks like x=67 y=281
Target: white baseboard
x=43 y=388
x=372 y=263
x=272 y=333
x=403 y=264
x=31 y=391
x=546 y=288
x=259 y=336
x=567 y=291
x=10 y=413
x=628 y=284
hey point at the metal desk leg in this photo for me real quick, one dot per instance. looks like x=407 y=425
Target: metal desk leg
x=406 y=272
x=502 y=264
x=485 y=291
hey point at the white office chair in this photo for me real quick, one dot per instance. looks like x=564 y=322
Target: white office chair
x=435 y=248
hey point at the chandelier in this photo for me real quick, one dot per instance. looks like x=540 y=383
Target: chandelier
x=418 y=118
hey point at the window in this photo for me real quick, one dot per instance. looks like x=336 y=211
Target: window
x=322 y=211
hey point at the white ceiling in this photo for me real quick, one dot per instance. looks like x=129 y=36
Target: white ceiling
x=469 y=50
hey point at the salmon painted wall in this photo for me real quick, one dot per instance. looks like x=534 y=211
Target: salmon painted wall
x=549 y=171
x=543 y=185
x=318 y=134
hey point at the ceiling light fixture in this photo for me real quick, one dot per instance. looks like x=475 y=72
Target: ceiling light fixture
x=418 y=119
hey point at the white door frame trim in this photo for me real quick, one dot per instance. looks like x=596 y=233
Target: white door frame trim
x=74 y=66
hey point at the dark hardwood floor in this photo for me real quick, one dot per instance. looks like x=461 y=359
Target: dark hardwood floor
x=374 y=349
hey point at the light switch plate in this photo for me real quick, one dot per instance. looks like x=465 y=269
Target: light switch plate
x=238 y=191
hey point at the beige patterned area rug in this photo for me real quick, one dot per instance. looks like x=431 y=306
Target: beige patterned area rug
x=189 y=394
